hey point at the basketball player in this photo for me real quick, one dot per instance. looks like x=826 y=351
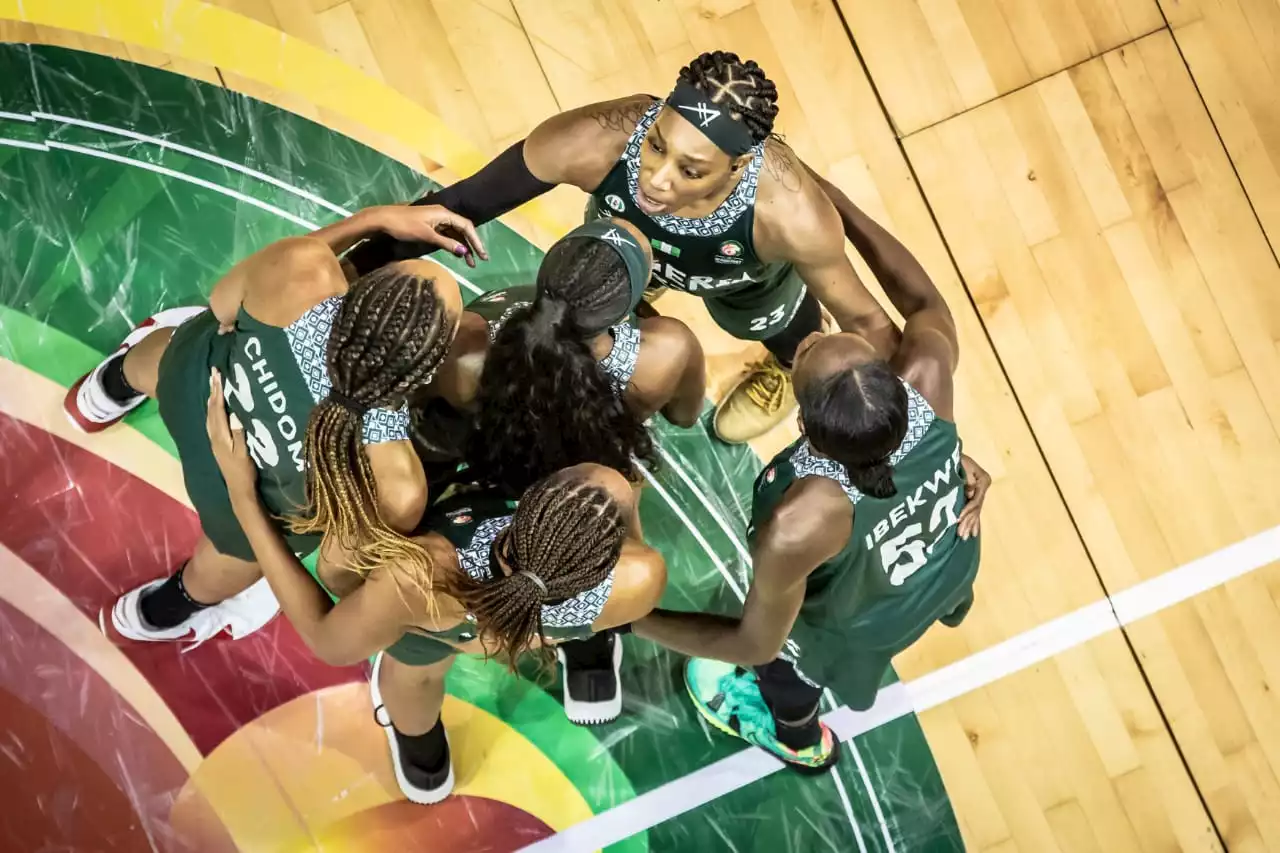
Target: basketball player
x=731 y=212
x=505 y=579
x=541 y=378
x=864 y=532
x=544 y=378
x=318 y=370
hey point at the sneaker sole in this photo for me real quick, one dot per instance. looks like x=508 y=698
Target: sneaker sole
x=803 y=769
x=593 y=713
x=413 y=794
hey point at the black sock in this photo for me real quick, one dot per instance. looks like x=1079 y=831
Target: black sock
x=427 y=752
x=793 y=701
x=595 y=652
x=168 y=605
x=801 y=735
x=114 y=383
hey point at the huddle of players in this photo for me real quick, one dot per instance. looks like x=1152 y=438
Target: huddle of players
x=336 y=388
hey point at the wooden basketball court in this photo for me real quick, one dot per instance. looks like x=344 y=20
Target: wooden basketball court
x=1095 y=187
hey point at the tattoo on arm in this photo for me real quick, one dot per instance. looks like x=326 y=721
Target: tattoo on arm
x=620 y=117
x=782 y=166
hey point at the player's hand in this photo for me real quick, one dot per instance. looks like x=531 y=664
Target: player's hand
x=226 y=437
x=976 y=483
x=436 y=225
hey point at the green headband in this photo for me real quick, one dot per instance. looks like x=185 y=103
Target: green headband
x=627 y=246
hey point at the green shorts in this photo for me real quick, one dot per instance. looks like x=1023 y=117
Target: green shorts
x=761 y=311
x=182 y=392
x=420 y=650
x=853 y=662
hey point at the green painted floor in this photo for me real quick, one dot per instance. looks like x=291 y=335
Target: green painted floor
x=98 y=229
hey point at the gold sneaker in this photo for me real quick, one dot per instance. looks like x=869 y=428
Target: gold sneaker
x=762 y=400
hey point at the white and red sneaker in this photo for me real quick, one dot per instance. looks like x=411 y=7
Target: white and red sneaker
x=239 y=616
x=87 y=404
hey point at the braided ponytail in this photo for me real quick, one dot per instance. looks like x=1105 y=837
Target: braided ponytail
x=389 y=335
x=565 y=538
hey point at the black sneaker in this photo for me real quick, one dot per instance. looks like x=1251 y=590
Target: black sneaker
x=419 y=786
x=589 y=673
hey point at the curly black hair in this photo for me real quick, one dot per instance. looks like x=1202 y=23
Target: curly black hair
x=544 y=403
x=722 y=75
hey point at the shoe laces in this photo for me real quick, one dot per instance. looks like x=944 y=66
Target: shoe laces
x=767 y=385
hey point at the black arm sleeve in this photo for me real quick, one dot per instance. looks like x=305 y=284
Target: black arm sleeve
x=502 y=185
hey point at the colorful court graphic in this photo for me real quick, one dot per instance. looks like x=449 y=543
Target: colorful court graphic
x=127 y=189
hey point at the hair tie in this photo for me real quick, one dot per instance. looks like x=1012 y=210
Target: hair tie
x=537 y=581
x=347 y=403
x=547 y=312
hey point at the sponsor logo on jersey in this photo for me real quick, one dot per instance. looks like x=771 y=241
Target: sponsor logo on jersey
x=615 y=202
x=666 y=248
x=730 y=252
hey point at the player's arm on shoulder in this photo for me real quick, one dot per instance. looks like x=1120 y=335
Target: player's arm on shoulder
x=928 y=356
x=804 y=228
x=401 y=483
x=367 y=620
x=580 y=146
x=671 y=376
x=904 y=280
x=278 y=282
x=806 y=530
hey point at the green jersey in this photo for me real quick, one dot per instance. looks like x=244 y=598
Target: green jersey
x=272 y=378
x=904 y=565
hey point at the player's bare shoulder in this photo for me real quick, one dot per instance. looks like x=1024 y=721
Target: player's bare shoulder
x=581 y=145
x=792 y=211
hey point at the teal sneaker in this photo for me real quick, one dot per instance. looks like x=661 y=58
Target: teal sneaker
x=728 y=697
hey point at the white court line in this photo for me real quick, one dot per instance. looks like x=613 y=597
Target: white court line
x=200 y=182
x=192 y=152
x=897 y=700
x=212 y=158
x=22 y=143
x=27 y=117
x=693 y=529
x=190 y=179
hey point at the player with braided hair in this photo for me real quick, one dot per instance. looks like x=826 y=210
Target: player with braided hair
x=731 y=212
x=318 y=371
x=567 y=561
